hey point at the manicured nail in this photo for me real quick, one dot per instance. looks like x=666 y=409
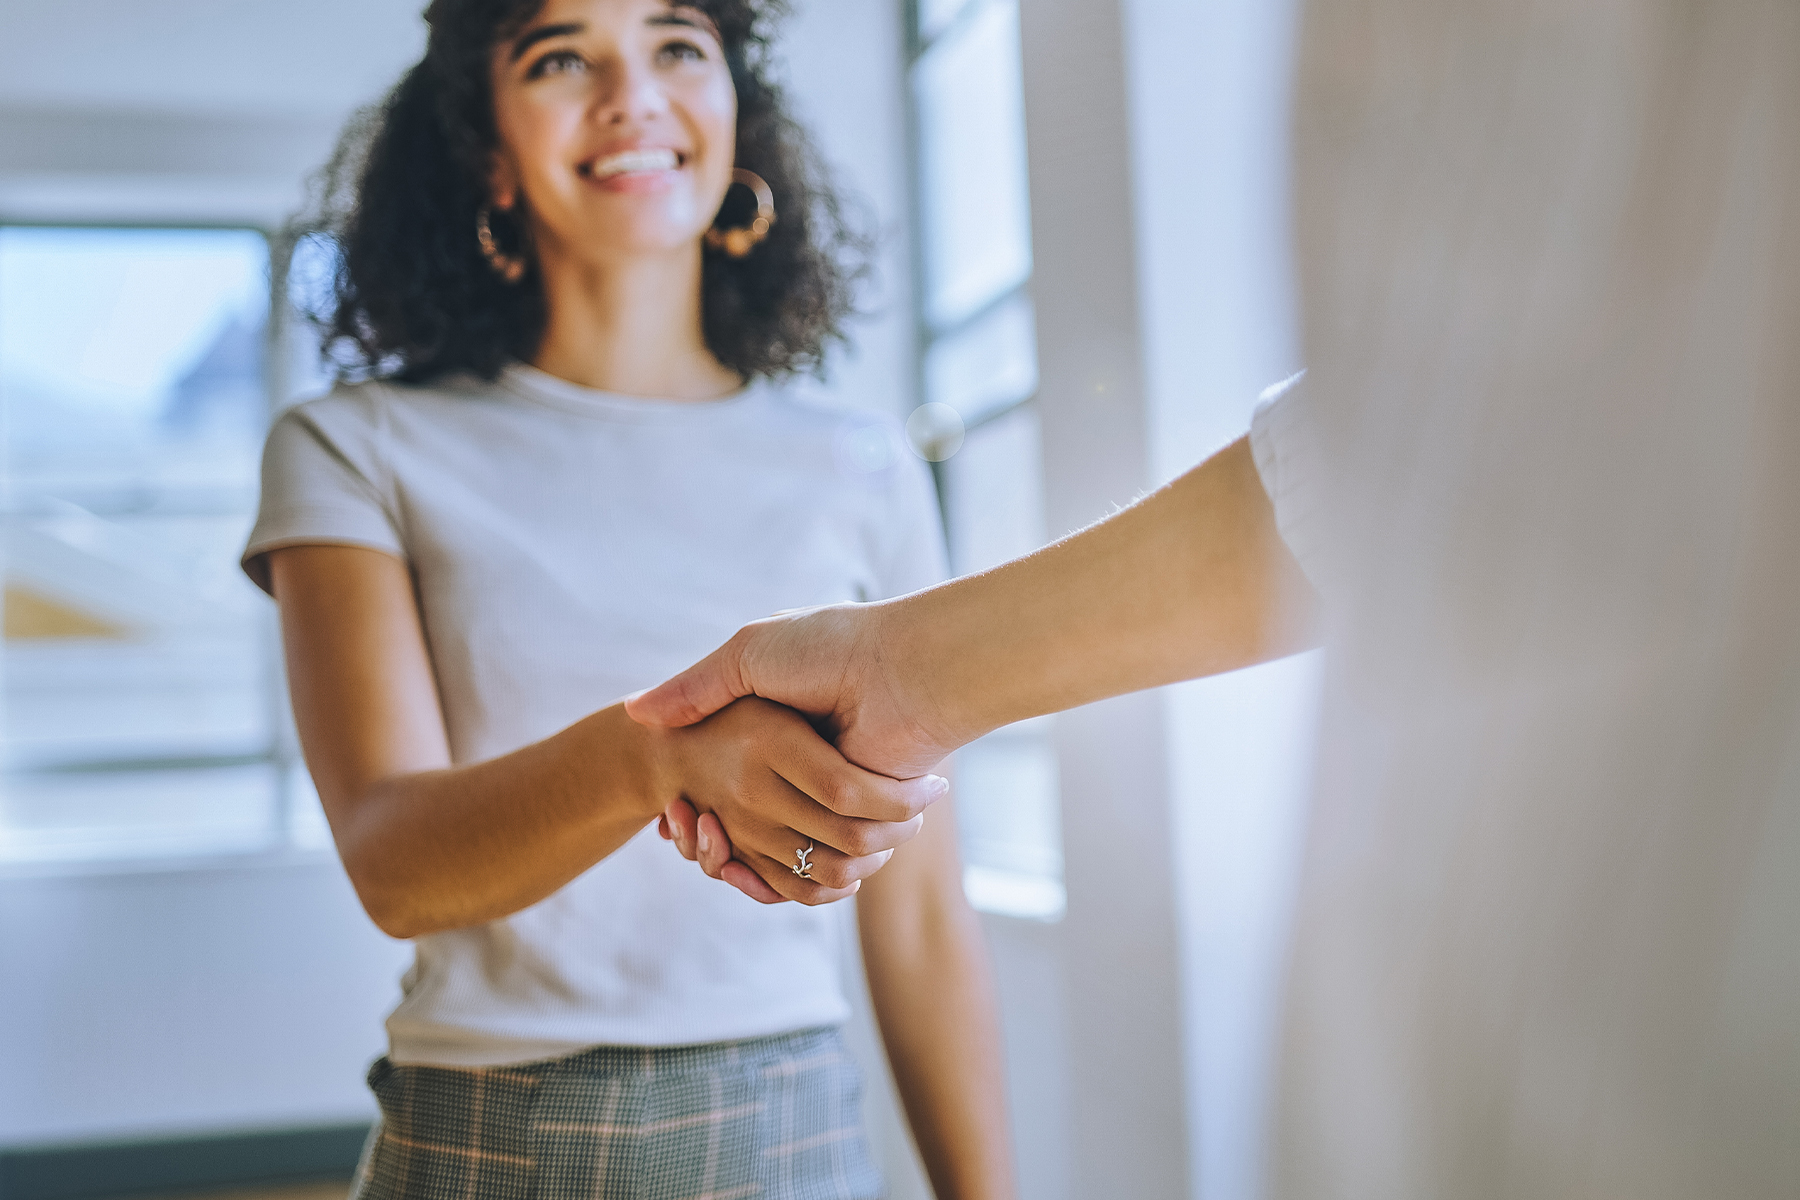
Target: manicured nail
x=705 y=842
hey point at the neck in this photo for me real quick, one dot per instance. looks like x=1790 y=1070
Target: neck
x=631 y=326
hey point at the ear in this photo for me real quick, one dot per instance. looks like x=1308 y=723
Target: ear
x=503 y=183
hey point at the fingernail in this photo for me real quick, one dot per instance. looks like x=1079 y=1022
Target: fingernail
x=937 y=785
x=856 y=887
x=705 y=842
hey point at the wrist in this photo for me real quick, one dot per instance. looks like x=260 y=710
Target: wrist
x=918 y=657
x=645 y=770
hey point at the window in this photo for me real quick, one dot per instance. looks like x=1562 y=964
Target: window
x=979 y=365
x=141 y=707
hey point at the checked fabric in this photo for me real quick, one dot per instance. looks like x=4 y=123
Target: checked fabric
x=770 y=1119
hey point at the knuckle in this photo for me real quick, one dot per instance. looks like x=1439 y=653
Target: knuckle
x=863 y=840
x=837 y=875
x=837 y=793
x=816 y=895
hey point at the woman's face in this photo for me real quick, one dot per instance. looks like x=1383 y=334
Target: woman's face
x=618 y=127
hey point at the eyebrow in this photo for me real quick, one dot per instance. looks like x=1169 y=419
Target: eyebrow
x=675 y=16
x=542 y=33
x=545 y=32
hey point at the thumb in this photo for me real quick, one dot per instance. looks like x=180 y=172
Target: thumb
x=695 y=694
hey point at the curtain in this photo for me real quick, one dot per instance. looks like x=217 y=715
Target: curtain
x=1548 y=941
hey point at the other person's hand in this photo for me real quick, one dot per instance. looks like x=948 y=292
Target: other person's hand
x=831 y=663
x=768 y=787
x=1193 y=580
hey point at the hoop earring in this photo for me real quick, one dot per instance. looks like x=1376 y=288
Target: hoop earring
x=509 y=267
x=740 y=241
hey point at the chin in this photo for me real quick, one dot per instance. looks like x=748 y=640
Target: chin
x=657 y=242
x=600 y=237
x=643 y=233
x=612 y=246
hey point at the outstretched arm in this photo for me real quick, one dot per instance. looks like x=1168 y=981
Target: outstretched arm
x=1193 y=580
x=431 y=846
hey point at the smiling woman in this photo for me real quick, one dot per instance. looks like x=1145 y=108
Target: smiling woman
x=413 y=182
x=569 y=455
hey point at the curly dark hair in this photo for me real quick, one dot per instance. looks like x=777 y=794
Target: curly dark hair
x=414 y=298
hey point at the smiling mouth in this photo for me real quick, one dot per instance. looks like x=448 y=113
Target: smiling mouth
x=632 y=162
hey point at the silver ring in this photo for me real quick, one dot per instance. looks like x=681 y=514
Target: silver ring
x=804 y=869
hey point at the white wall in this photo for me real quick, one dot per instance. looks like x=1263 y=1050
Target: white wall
x=183 y=109
x=175 y=1000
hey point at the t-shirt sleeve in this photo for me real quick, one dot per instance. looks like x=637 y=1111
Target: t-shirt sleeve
x=913 y=554
x=323 y=482
x=1284 y=444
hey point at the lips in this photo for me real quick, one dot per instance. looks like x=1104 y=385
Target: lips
x=633 y=162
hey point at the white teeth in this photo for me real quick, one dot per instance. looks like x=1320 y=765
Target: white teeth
x=627 y=161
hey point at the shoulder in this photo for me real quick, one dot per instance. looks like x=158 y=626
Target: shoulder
x=346 y=406
x=372 y=403
x=365 y=415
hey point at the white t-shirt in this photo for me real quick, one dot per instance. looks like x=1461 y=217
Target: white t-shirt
x=571 y=547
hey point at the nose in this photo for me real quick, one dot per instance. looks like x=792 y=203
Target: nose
x=630 y=93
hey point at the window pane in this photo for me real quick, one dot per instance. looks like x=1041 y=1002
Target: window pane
x=1007 y=807
x=994 y=494
x=987 y=365
x=135 y=697
x=976 y=217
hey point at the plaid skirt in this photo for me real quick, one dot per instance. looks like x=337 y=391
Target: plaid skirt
x=777 y=1118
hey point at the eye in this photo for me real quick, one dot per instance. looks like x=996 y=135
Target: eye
x=557 y=62
x=681 y=51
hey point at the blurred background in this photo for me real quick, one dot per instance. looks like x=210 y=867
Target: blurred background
x=1084 y=286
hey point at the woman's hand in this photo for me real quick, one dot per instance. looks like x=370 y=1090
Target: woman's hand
x=767 y=785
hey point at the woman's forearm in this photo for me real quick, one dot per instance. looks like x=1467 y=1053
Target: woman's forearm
x=934 y=998
x=1193 y=580
x=450 y=848
x=430 y=846
x=933 y=992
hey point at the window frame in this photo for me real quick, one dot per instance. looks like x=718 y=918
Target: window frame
x=927 y=334
x=996 y=892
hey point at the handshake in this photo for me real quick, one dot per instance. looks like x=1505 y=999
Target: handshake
x=805 y=821
x=1193 y=580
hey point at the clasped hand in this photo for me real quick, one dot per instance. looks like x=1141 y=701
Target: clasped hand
x=826 y=663
x=754 y=783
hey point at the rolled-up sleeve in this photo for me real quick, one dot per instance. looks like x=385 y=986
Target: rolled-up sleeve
x=1284 y=442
